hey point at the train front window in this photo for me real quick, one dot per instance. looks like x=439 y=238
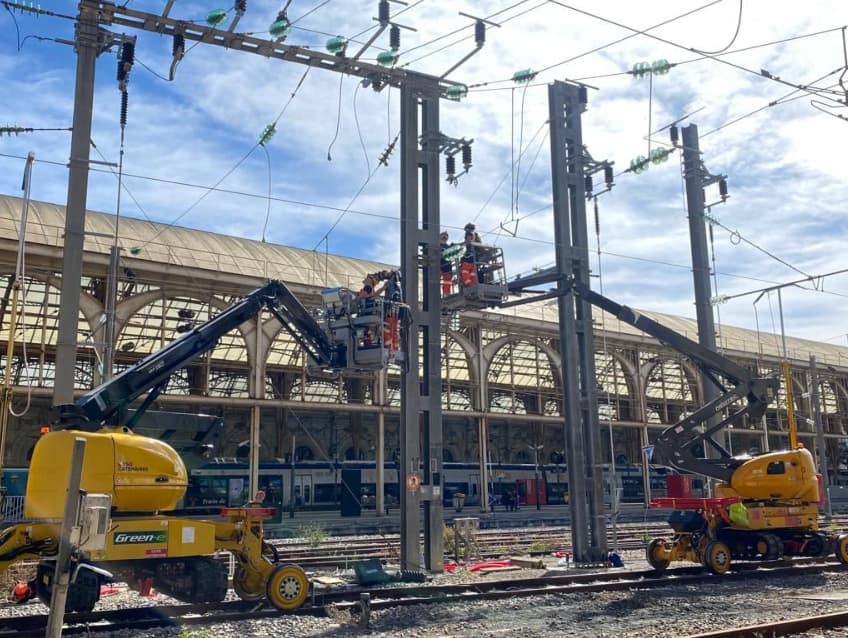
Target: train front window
x=273 y=487
x=210 y=491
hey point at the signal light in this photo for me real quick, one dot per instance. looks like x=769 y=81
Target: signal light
x=45 y=429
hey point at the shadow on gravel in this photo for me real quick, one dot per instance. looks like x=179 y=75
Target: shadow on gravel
x=388 y=623
x=692 y=596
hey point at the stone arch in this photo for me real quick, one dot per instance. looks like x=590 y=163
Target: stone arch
x=458 y=371
x=37 y=320
x=517 y=365
x=626 y=405
x=665 y=402
x=151 y=319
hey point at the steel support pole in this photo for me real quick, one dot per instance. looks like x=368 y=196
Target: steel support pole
x=694 y=175
x=88 y=45
x=380 y=445
x=70 y=521
x=821 y=449
x=421 y=414
x=582 y=433
x=257 y=392
x=410 y=456
x=481 y=400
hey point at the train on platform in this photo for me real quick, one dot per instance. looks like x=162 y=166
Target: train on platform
x=328 y=485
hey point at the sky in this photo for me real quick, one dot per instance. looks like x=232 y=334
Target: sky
x=736 y=69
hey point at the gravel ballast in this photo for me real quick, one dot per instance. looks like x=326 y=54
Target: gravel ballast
x=676 y=610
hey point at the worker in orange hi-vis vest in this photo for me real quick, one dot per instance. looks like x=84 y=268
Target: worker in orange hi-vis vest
x=468 y=273
x=445 y=265
x=391 y=327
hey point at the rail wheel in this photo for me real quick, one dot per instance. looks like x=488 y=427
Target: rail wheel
x=842 y=548
x=287 y=587
x=247 y=585
x=270 y=552
x=656 y=555
x=717 y=557
x=773 y=546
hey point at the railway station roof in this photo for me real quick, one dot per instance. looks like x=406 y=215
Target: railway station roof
x=187 y=248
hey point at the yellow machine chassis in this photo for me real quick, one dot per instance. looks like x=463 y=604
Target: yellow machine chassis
x=138 y=538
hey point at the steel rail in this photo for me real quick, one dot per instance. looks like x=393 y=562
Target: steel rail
x=397 y=596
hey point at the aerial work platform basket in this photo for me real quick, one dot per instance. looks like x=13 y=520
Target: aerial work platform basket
x=472 y=279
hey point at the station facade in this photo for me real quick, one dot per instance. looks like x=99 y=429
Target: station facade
x=501 y=369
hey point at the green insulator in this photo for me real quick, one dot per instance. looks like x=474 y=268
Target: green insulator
x=387 y=58
x=525 y=75
x=639 y=165
x=456 y=92
x=660 y=67
x=267 y=134
x=135 y=250
x=659 y=155
x=216 y=18
x=280 y=28
x=337 y=45
x=640 y=69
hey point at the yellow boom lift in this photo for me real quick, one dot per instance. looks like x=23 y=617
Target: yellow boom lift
x=766 y=506
x=141 y=479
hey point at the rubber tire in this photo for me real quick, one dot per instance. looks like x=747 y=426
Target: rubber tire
x=775 y=547
x=210 y=580
x=842 y=548
x=659 y=564
x=287 y=587
x=83 y=594
x=717 y=557
x=240 y=590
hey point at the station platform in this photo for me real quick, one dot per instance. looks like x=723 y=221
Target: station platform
x=333 y=523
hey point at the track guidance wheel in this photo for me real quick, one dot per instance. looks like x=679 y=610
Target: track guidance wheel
x=842 y=548
x=717 y=557
x=287 y=587
x=656 y=555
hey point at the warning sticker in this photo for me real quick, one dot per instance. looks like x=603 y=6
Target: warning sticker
x=413 y=481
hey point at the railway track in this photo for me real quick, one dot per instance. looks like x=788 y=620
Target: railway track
x=790 y=627
x=384 y=598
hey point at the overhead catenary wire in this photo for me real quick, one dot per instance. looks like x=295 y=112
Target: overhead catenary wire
x=732 y=40
x=237 y=164
x=605 y=46
x=485 y=88
x=761 y=73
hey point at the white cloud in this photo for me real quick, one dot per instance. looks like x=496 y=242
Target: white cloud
x=784 y=163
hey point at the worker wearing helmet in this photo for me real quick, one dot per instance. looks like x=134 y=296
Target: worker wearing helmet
x=22 y=592
x=468 y=268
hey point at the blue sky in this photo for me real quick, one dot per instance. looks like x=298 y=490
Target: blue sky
x=784 y=164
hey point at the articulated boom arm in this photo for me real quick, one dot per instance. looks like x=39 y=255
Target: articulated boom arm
x=679 y=443
x=152 y=373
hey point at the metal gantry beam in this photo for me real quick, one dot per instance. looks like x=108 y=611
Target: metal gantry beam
x=109 y=13
x=421 y=395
